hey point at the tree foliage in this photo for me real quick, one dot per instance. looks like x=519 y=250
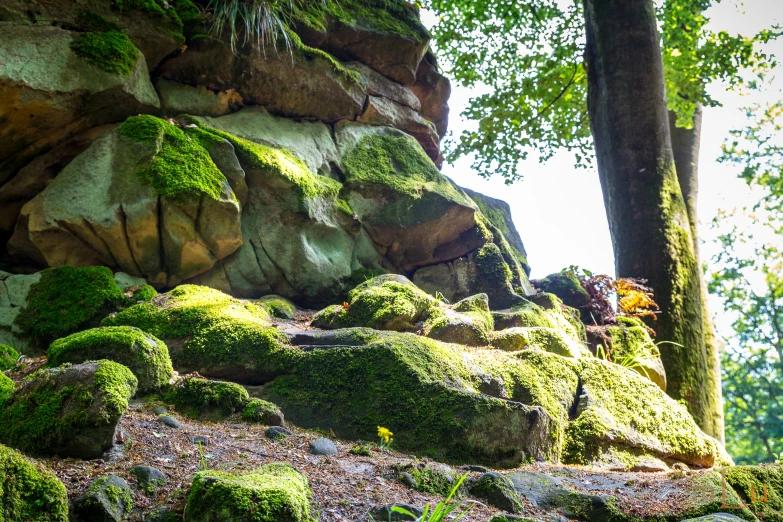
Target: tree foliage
x=528 y=57
x=748 y=278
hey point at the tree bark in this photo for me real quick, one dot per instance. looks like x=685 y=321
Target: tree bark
x=648 y=217
x=685 y=147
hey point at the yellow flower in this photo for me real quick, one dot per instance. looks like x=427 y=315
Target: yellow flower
x=384 y=434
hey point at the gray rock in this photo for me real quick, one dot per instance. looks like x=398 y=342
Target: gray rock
x=474 y=467
x=277 y=432
x=323 y=446
x=160 y=410
x=168 y=420
x=498 y=491
x=148 y=478
x=407 y=479
x=108 y=499
x=384 y=513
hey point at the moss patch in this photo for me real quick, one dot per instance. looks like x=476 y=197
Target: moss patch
x=433 y=479
x=263 y=412
x=8 y=357
x=180 y=166
x=54 y=405
x=272 y=493
x=279 y=307
x=145 y=293
x=7 y=388
x=67 y=299
x=760 y=487
x=29 y=491
x=110 y=51
x=145 y=355
x=200 y=398
x=213 y=333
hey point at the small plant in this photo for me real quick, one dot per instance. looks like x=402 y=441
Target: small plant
x=363 y=450
x=633 y=298
x=636 y=361
x=202 y=458
x=443 y=509
x=385 y=438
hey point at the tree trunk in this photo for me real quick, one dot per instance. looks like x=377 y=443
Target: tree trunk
x=648 y=218
x=685 y=147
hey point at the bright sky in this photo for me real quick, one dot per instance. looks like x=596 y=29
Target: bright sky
x=558 y=209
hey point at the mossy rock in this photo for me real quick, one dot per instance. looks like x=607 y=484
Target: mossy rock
x=29 y=491
x=70 y=411
x=498 y=491
x=214 y=334
x=145 y=355
x=432 y=478
x=279 y=307
x=619 y=409
x=7 y=387
x=272 y=493
x=110 y=51
x=468 y=322
x=419 y=388
x=67 y=299
x=263 y=412
x=201 y=398
x=629 y=339
x=760 y=487
x=548 y=311
x=567 y=287
x=8 y=357
x=108 y=499
x=387 y=302
x=548 y=339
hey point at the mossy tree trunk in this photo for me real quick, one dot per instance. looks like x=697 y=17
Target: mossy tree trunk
x=648 y=218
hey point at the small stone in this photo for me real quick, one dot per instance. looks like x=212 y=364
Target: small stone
x=407 y=479
x=148 y=478
x=277 y=432
x=323 y=446
x=498 y=491
x=385 y=513
x=160 y=410
x=198 y=439
x=472 y=467
x=108 y=499
x=168 y=420
x=680 y=466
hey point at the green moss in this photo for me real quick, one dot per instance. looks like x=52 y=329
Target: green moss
x=263 y=412
x=435 y=480
x=7 y=388
x=498 y=490
x=384 y=303
x=492 y=267
x=279 y=307
x=272 y=493
x=362 y=450
x=276 y=162
x=90 y=21
x=172 y=14
x=395 y=17
x=67 y=299
x=760 y=487
x=551 y=315
x=636 y=413
x=47 y=415
x=145 y=293
x=548 y=339
x=145 y=355
x=180 y=167
x=361 y=275
x=29 y=491
x=347 y=76
x=398 y=382
x=8 y=357
x=200 y=398
x=567 y=287
x=398 y=163
x=220 y=335
x=110 y=51
x=630 y=339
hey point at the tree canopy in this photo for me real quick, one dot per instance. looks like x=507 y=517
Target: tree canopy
x=530 y=57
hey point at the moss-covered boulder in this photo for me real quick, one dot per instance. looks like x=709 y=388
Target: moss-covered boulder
x=272 y=493
x=567 y=287
x=145 y=355
x=387 y=302
x=67 y=299
x=496 y=490
x=468 y=322
x=760 y=488
x=213 y=334
x=7 y=387
x=548 y=311
x=70 y=411
x=108 y=499
x=628 y=342
x=29 y=491
x=263 y=412
x=201 y=398
x=621 y=416
x=279 y=307
x=548 y=339
x=425 y=391
x=8 y=357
